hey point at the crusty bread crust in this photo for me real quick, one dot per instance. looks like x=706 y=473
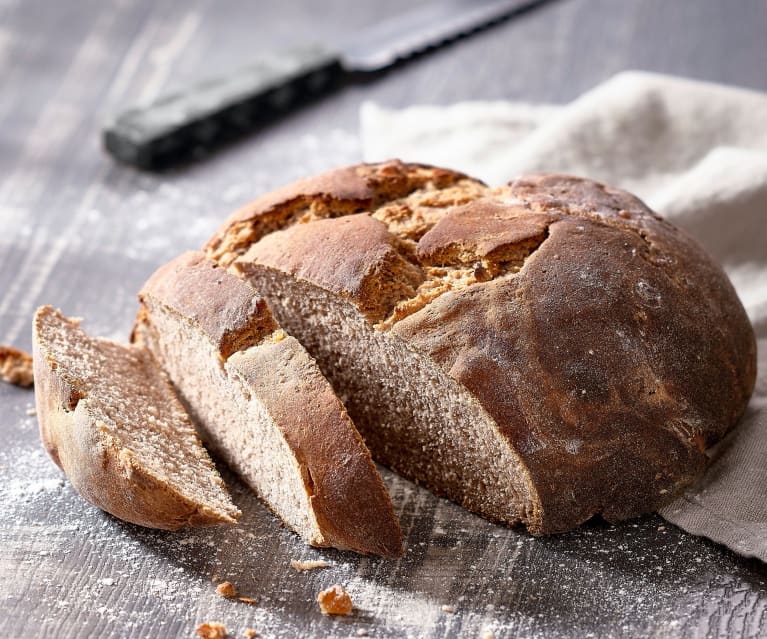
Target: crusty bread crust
x=350 y=502
x=339 y=192
x=373 y=274
x=606 y=344
x=102 y=471
x=227 y=310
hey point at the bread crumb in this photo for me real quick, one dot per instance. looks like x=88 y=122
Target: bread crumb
x=487 y=634
x=16 y=366
x=335 y=601
x=31 y=412
x=450 y=610
x=250 y=633
x=308 y=564
x=226 y=590
x=279 y=335
x=362 y=632
x=212 y=630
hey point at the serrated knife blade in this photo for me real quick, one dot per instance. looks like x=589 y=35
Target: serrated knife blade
x=193 y=121
x=408 y=34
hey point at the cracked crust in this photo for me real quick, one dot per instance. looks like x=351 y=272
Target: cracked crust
x=333 y=194
x=605 y=343
x=375 y=276
x=487 y=232
x=87 y=434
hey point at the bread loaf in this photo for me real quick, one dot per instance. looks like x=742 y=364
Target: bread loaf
x=111 y=421
x=540 y=352
x=261 y=404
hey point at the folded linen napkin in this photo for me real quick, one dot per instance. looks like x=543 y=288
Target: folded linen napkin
x=696 y=153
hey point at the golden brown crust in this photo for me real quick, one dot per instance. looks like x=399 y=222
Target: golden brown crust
x=332 y=194
x=607 y=345
x=374 y=275
x=227 y=310
x=103 y=472
x=15 y=366
x=484 y=231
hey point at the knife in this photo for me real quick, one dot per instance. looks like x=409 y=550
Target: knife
x=191 y=122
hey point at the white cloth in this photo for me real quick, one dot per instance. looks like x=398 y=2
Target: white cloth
x=696 y=153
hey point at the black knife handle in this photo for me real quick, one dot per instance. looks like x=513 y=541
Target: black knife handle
x=176 y=126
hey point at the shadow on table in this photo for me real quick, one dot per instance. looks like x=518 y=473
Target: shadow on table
x=460 y=572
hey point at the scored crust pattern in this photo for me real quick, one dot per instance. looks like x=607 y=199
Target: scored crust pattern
x=605 y=343
x=426 y=230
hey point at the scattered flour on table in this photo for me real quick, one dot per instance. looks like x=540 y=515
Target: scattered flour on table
x=27 y=475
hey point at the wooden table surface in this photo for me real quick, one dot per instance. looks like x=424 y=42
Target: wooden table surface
x=82 y=233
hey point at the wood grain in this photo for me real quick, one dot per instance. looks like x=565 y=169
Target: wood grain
x=81 y=233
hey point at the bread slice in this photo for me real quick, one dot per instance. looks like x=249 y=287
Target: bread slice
x=261 y=404
x=540 y=352
x=112 y=422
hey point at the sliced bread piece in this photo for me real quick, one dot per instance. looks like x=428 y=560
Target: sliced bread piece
x=540 y=352
x=261 y=403
x=111 y=421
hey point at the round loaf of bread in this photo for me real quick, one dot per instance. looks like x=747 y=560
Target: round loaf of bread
x=540 y=352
